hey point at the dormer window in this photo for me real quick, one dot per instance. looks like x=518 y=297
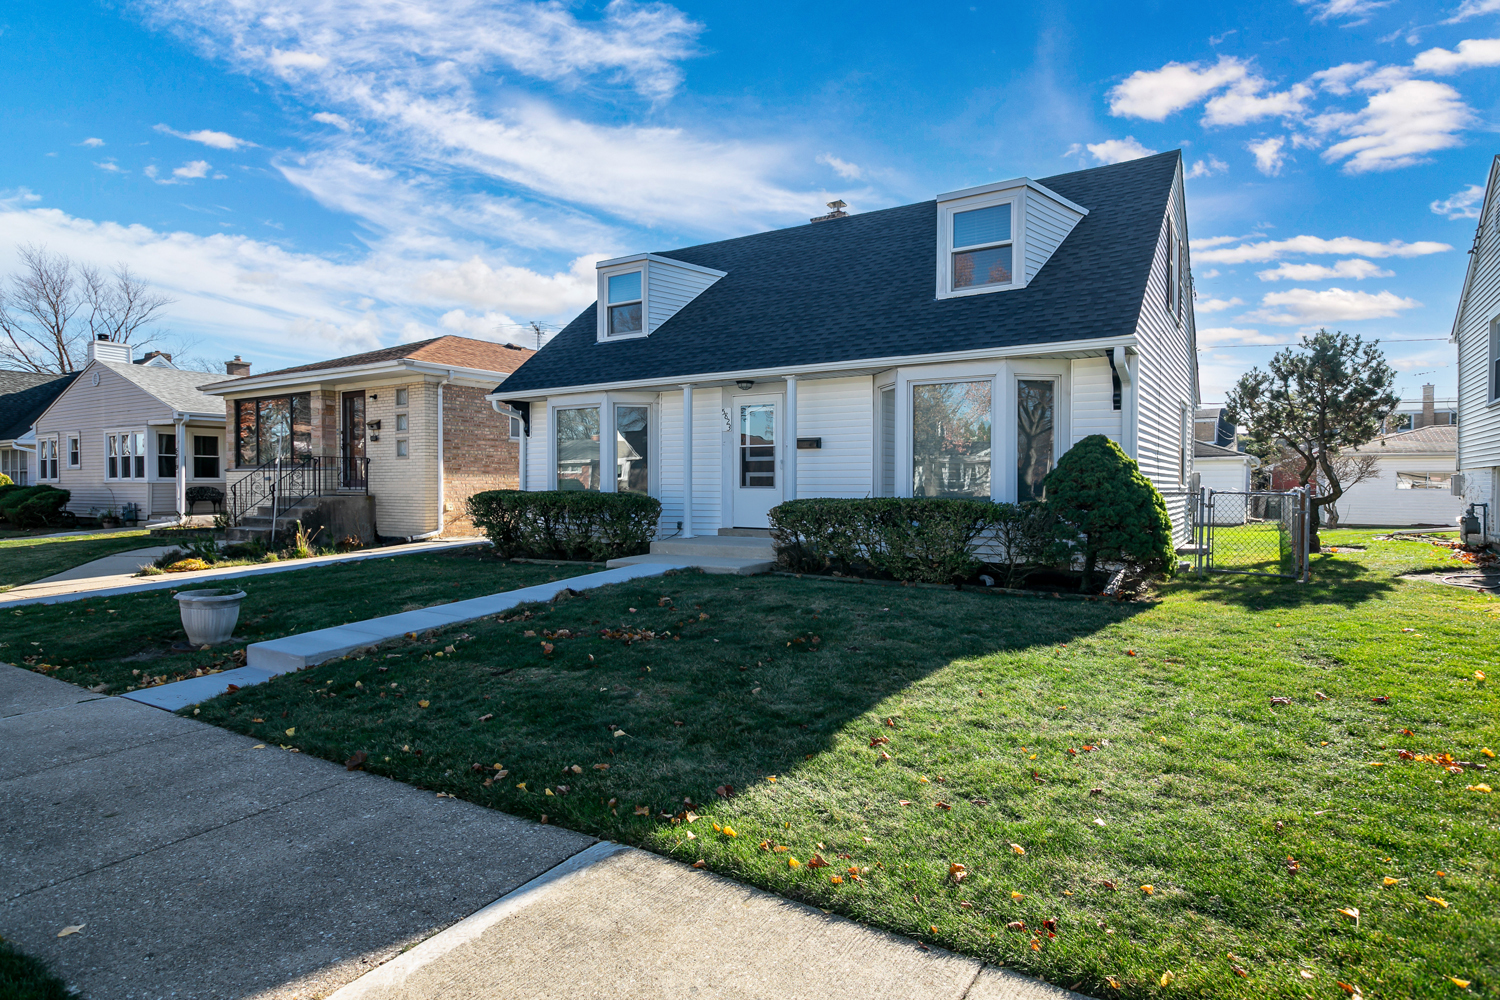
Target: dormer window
x=982 y=247
x=625 y=303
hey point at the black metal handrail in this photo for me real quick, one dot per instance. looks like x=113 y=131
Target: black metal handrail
x=284 y=483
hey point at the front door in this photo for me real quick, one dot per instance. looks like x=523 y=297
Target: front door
x=352 y=471
x=756 y=461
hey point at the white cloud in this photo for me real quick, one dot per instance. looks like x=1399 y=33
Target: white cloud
x=92 y=142
x=1268 y=250
x=1155 y=94
x=266 y=302
x=843 y=168
x=1331 y=305
x=1471 y=52
x=1357 y=269
x=1207 y=168
x=1118 y=150
x=1268 y=155
x=1234 y=335
x=110 y=166
x=1356 y=11
x=1473 y=8
x=1398 y=127
x=1336 y=79
x=1212 y=272
x=1463 y=205
x=337 y=121
x=192 y=170
x=1244 y=103
x=218 y=140
x=1212 y=305
x=286 y=62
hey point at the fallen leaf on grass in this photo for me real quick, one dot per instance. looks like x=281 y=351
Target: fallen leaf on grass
x=1462 y=984
x=1148 y=889
x=74 y=929
x=423 y=703
x=1478 y=788
x=1107 y=884
x=1352 y=912
x=792 y=862
x=1017 y=849
x=1381 y=699
x=942 y=805
x=700 y=864
x=1280 y=700
x=1487 y=752
x=724 y=791
x=292 y=731
x=1292 y=866
x=643 y=810
x=1479 y=675
x=1320 y=696
x=728 y=831
x=1113 y=982
x=1390 y=881
x=957 y=872
x=875 y=741
x=836 y=879
x=1438 y=901
x=816 y=861
x=1351 y=990
x=1017 y=895
x=1167 y=978
x=357 y=761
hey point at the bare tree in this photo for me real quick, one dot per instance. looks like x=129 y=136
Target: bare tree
x=51 y=307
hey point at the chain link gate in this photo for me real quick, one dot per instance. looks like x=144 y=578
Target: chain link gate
x=1257 y=533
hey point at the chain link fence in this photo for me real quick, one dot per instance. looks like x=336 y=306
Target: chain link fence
x=1258 y=533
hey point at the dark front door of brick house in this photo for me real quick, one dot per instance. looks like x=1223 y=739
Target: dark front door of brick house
x=352 y=475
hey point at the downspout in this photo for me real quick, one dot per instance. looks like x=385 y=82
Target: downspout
x=1128 y=428
x=520 y=447
x=180 y=420
x=442 y=503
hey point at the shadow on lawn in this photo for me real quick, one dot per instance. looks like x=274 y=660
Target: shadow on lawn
x=767 y=678
x=1334 y=581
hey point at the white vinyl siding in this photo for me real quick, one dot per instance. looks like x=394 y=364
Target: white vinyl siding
x=1093 y=401
x=1047 y=225
x=839 y=412
x=671 y=288
x=1223 y=474
x=1479 y=422
x=1378 y=502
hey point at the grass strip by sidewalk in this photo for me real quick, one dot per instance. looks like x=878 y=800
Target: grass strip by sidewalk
x=27 y=559
x=124 y=642
x=1253 y=824
x=23 y=977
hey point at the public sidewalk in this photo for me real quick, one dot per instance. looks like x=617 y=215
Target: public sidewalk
x=115 y=575
x=201 y=864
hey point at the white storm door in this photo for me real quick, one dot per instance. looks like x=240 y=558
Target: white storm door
x=755 y=460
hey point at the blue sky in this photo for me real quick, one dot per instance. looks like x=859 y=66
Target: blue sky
x=308 y=178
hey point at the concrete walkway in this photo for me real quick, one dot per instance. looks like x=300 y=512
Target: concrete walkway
x=115 y=575
x=201 y=864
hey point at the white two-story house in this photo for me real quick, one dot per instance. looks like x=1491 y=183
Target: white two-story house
x=950 y=348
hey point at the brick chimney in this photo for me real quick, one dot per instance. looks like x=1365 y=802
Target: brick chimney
x=149 y=356
x=237 y=368
x=1429 y=414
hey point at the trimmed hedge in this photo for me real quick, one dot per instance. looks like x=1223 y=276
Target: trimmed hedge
x=565 y=524
x=923 y=540
x=44 y=509
x=13 y=497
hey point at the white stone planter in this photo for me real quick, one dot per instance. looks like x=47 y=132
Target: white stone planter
x=209 y=616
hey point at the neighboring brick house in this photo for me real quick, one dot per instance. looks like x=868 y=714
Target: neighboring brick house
x=407 y=426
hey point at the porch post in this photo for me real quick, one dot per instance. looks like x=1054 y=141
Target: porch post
x=182 y=457
x=687 y=461
x=789 y=488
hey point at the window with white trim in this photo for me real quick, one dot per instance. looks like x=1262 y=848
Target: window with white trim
x=166 y=456
x=46 y=458
x=205 y=456
x=983 y=247
x=125 y=455
x=1493 y=368
x=576 y=438
x=950 y=439
x=1036 y=444
x=75 y=452
x=625 y=302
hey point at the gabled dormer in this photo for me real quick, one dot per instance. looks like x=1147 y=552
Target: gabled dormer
x=996 y=237
x=637 y=294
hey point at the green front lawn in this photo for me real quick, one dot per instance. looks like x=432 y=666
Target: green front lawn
x=125 y=642
x=1118 y=746
x=28 y=558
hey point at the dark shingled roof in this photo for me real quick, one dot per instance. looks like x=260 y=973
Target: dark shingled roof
x=862 y=287
x=23 y=397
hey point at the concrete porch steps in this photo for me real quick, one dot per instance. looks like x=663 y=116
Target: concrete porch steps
x=727 y=554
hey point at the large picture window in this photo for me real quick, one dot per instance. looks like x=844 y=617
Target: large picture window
x=632 y=449
x=950 y=448
x=577 y=436
x=1035 y=444
x=125 y=455
x=278 y=427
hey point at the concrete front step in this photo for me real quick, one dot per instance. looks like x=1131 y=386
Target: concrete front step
x=728 y=565
x=716 y=546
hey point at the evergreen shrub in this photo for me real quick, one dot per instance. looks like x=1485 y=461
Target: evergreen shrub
x=565 y=524
x=1108 y=510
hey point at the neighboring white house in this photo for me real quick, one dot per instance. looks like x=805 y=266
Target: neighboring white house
x=954 y=347
x=1476 y=331
x=1223 y=470
x=1415 y=483
x=132 y=432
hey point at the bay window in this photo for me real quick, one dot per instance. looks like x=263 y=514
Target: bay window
x=125 y=455
x=632 y=449
x=577 y=440
x=278 y=427
x=951 y=439
x=1036 y=402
